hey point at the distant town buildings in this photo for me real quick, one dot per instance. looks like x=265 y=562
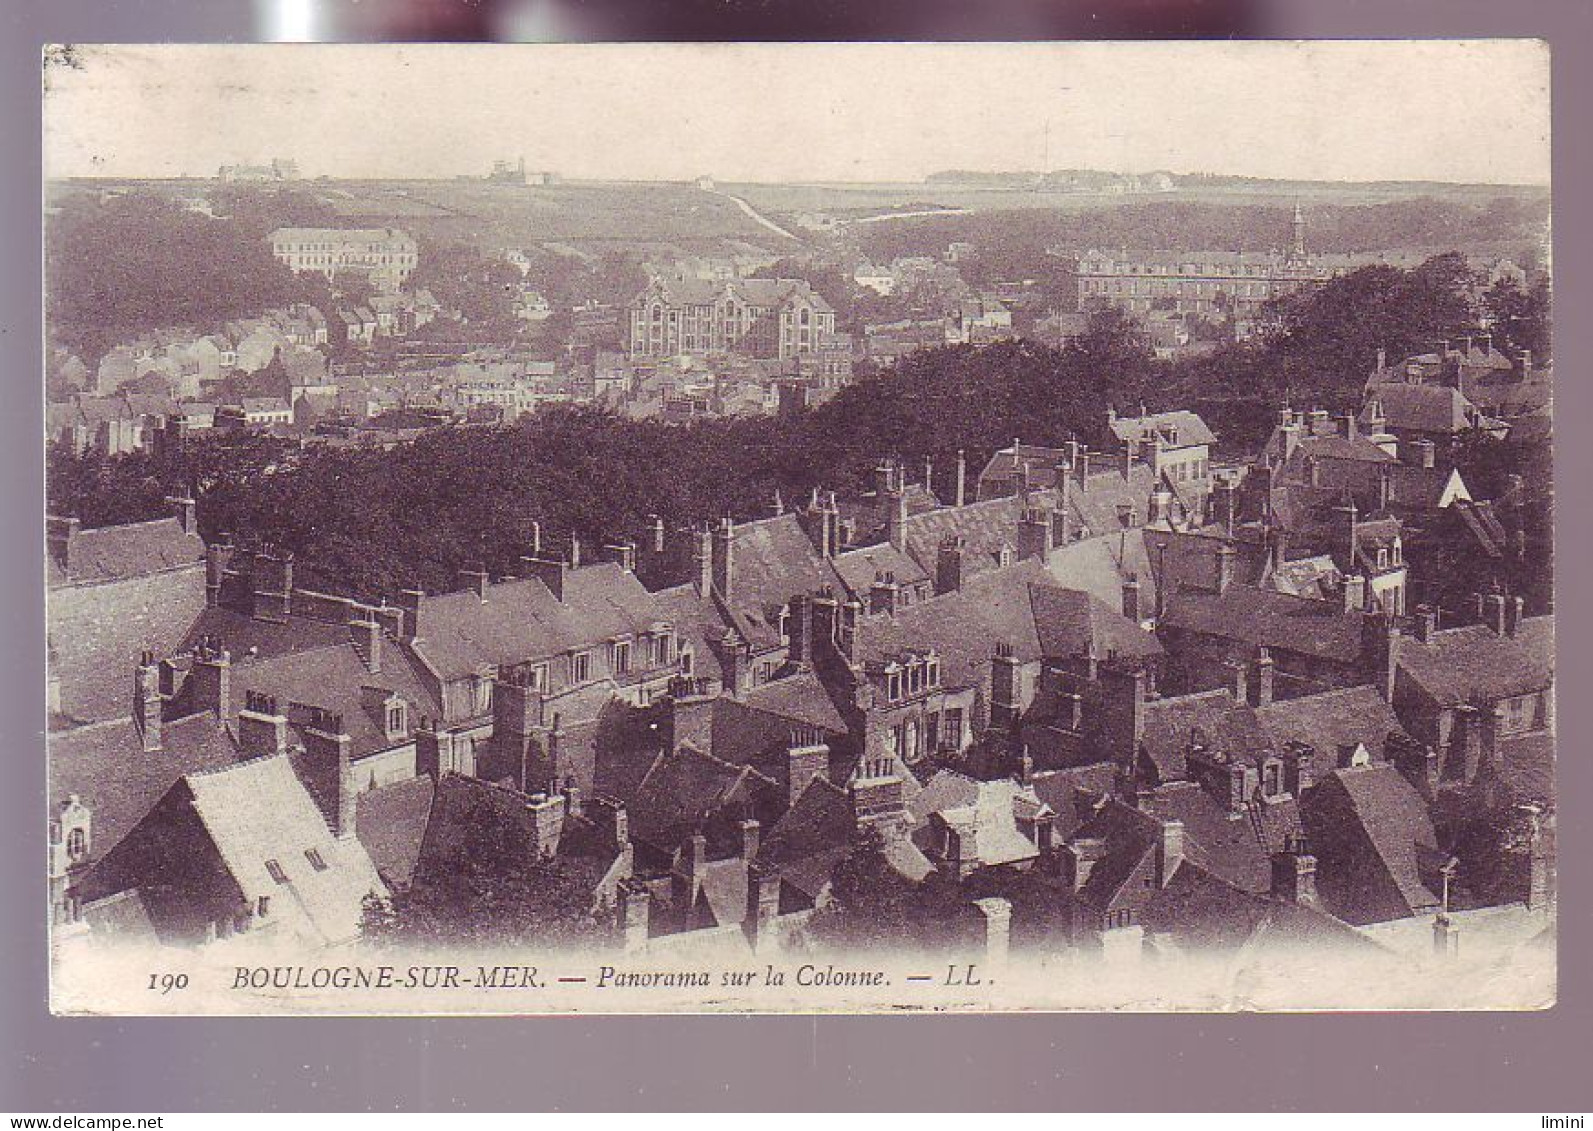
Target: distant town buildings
x=280 y=169
x=386 y=256
x=761 y=318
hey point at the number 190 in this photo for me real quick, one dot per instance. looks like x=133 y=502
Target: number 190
x=166 y=983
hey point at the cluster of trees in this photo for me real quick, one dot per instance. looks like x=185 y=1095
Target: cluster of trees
x=371 y=522
x=119 y=268
x=1209 y=225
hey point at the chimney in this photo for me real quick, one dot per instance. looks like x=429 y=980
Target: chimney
x=633 y=912
x=1382 y=359
x=366 y=636
x=1079 y=859
x=655 y=530
x=949 y=564
x=1525 y=359
x=763 y=906
x=211 y=678
x=691 y=865
x=1540 y=879
x=1298 y=766
x=1422 y=453
x=575 y=552
x=572 y=799
x=273 y=585
x=1004 y=689
x=1446 y=937
x=1416 y=763
x=962 y=478
x=1493 y=613
x=702 y=555
x=997 y=914
x=1225 y=557
x=262 y=728
x=750 y=834
x=1264 y=676
x=1294 y=873
x=1131 y=598
x=623 y=554
x=60 y=534
x=547 y=823
x=884 y=594
x=1034 y=534
x=1169 y=852
x=218 y=556
x=411 y=601
x=896 y=520
x=147 y=700
x=1385 y=487
x=474 y=580
x=1130 y=454
x=1349 y=426
x=551 y=572
x=724 y=542
x=807 y=758
x=436 y=753
x=327 y=755
x=182 y=508
x=536 y=539
x=1426 y=623
x=1513 y=611
x=1236 y=669
x=1354 y=593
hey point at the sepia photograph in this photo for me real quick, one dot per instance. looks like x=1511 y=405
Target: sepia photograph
x=799 y=528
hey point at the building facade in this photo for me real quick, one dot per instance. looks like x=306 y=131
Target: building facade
x=386 y=255
x=768 y=318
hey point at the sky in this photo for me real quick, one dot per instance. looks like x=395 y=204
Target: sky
x=1464 y=111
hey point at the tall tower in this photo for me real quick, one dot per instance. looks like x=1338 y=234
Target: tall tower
x=1297 y=232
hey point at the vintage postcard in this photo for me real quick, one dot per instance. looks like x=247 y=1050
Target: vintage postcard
x=799 y=528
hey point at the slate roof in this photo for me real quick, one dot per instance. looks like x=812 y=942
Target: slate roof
x=1332 y=723
x=858 y=568
x=1263 y=617
x=391 y=823
x=985 y=528
x=1074 y=624
x=107 y=766
x=1234 y=847
x=806 y=843
x=773 y=560
x=1422 y=408
x=134 y=549
x=1459 y=664
x=1525 y=764
x=1375 y=844
x=684 y=789
x=1358 y=450
x=1220 y=722
x=335 y=678
x=1191 y=429
x=460 y=634
x=988 y=808
x=257 y=811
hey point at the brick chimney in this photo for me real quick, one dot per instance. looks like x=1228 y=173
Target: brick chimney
x=686 y=879
x=633 y=914
x=1034 y=534
x=1131 y=598
x=1294 y=873
x=436 y=751
x=329 y=770
x=997 y=913
x=949 y=564
x=210 y=676
x=1298 y=765
x=1224 y=561
x=1514 y=607
x=1494 y=614
x=147 y=700
x=546 y=812
x=262 y=727
x=622 y=554
x=1004 y=687
x=884 y=594
x=1265 y=671
x=550 y=571
x=724 y=568
x=60 y=536
x=751 y=834
x=273 y=584
x=1169 y=852
x=1354 y=593
x=218 y=556
x=1426 y=623
x=807 y=758
x=763 y=906
x=183 y=510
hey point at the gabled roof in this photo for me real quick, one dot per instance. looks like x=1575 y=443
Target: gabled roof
x=134 y=549
x=106 y=765
x=1188 y=427
x=460 y=634
x=684 y=789
x=391 y=823
x=1070 y=623
x=1374 y=842
x=1332 y=723
x=1234 y=847
x=1458 y=665
x=1422 y=408
x=811 y=837
x=858 y=568
x=1358 y=450
x=985 y=527
x=1268 y=618
x=1212 y=717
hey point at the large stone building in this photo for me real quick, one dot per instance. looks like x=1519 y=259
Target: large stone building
x=386 y=255
x=770 y=318
x=1220 y=285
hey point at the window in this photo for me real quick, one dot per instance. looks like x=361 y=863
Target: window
x=76 y=844
x=893 y=685
x=1271 y=783
x=953 y=728
x=314 y=857
x=685 y=661
x=621 y=660
x=580 y=667
x=661 y=646
x=276 y=871
x=397 y=718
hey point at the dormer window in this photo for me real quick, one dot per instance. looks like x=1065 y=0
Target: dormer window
x=620 y=657
x=580 y=667
x=314 y=857
x=397 y=718
x=893 y=684
x=1382 y=557
x=274 y=869
x=662 y=644
x=932 y=673
x=537 y=679
x=76 y=845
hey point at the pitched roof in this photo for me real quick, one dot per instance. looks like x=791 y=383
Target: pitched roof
x=259 y=811
x=1268 y=618
x=134 y=549
x=1171 y=725
x=1071 y=623
x=391 y=823
x=1457 y=665
x=1371 y=808
x=106 y=765
x=1187 y=427
x=858 y=568
x=1332 y=723
x=1236 y=847
x=773 y=560
x=806 y=843
x=985 y=527
x=1359 y=450
x=1421 y=408
x=460 y=633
